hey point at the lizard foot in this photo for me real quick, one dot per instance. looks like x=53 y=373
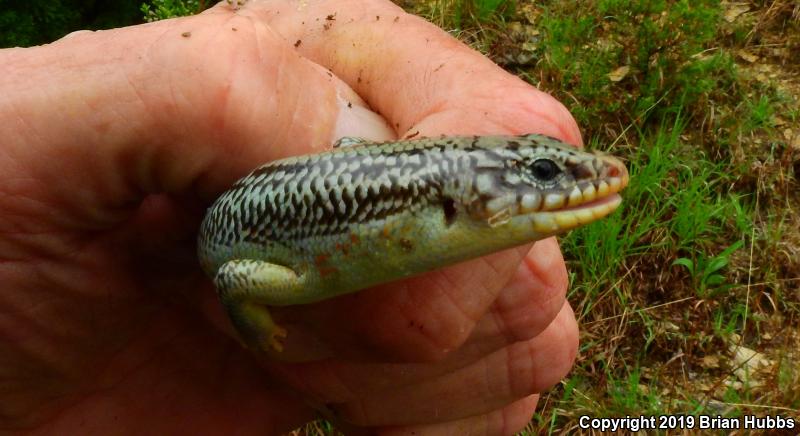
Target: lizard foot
x=275 y=339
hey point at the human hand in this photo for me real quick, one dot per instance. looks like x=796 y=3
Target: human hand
x=115 y=141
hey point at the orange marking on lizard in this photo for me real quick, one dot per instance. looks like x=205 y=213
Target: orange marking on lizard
x=321 y=259
x=344 y=248
x=326 y=270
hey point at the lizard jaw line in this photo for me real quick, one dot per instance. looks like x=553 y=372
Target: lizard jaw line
x=562 y=220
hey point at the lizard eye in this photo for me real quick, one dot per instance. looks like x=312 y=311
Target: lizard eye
x=545 y=169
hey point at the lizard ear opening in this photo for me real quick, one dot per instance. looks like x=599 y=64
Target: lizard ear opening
x=449 y=209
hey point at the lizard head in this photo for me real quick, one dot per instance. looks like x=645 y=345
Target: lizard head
x=543 y=182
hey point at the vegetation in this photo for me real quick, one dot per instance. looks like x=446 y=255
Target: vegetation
x=163 y=9
x=31 y=22
x=25 y=23
x=689 y=297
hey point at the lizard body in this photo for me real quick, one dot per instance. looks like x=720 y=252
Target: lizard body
x=309 y=228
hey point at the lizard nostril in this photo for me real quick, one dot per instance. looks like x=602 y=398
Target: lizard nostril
x=614 y=167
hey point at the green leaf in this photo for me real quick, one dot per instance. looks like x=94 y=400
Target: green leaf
x=685 y=263
x=716 y=264
x=715 y=279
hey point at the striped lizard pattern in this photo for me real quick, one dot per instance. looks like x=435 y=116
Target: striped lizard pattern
x=308 y=228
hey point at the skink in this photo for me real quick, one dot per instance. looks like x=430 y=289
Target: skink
x=309 y=228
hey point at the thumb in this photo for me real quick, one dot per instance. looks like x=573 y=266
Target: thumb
x=97 y=121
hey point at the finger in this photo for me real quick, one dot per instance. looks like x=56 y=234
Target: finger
x=179 y=105
x=517 y=371
x=527 y=305
x=529 y=302
x=423 y=318
x=425 y=81
x=524 y=307
x=374 y=395
x=506 y=421
x=371 y=321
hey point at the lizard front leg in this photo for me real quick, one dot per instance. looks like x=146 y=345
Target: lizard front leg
x=245 y=289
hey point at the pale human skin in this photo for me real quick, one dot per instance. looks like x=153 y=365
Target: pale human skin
x=113 y=143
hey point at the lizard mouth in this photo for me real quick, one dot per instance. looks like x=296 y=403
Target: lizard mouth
x=587 y=203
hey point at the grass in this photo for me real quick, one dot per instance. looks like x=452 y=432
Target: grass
x=689 y=297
